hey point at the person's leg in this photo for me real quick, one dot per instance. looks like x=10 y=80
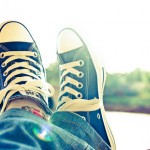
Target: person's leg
x=24 y=91
x=23 y=120
x=21 y=71
x=81 y=91
x=77 y=126
x=23 y=130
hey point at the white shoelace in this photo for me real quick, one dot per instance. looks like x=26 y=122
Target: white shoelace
x=36 y=84
x=77 y=104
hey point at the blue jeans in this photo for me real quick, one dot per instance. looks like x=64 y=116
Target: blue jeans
x=22 y=130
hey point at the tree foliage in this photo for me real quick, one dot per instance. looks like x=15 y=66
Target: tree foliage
x=127 y=89
x=52 y=74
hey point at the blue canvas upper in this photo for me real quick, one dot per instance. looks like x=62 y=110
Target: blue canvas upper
x=29 y=55
x=20 y=46
x=90 y=85
x=89 y=79
x=17 y=46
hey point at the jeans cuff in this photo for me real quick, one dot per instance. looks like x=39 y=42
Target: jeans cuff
x=18 y=112
x=79 y=127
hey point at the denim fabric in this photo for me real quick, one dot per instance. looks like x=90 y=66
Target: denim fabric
x=22 y=130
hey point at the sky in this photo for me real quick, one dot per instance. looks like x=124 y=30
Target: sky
x=117 y=32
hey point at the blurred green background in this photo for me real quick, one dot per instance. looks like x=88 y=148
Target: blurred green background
x=129 y=92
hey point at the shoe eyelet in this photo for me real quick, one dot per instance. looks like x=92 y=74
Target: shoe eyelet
x=3 y=64
x=80 y=85
x=83 y=118
x=35 y=54
x=36 y=63
x=81 y=62
x=2 y=55
x=5 y=83
x=5 y=73
x=49 y=91
x=98 y=116
x=81 y=74
x=79 y=95
x=38 y=72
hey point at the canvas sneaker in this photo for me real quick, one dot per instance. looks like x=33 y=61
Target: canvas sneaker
x=22 y=75
x=82 y=82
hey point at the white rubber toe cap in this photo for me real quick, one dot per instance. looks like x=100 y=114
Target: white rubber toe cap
x=14 y=31
x=68 y=40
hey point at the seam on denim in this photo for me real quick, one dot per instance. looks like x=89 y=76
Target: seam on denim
x=103 y=142
x=66 y=121
x=64 y=139
x=22 y=113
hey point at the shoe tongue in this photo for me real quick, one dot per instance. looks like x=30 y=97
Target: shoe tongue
x=68 y=56
x=17 y=46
